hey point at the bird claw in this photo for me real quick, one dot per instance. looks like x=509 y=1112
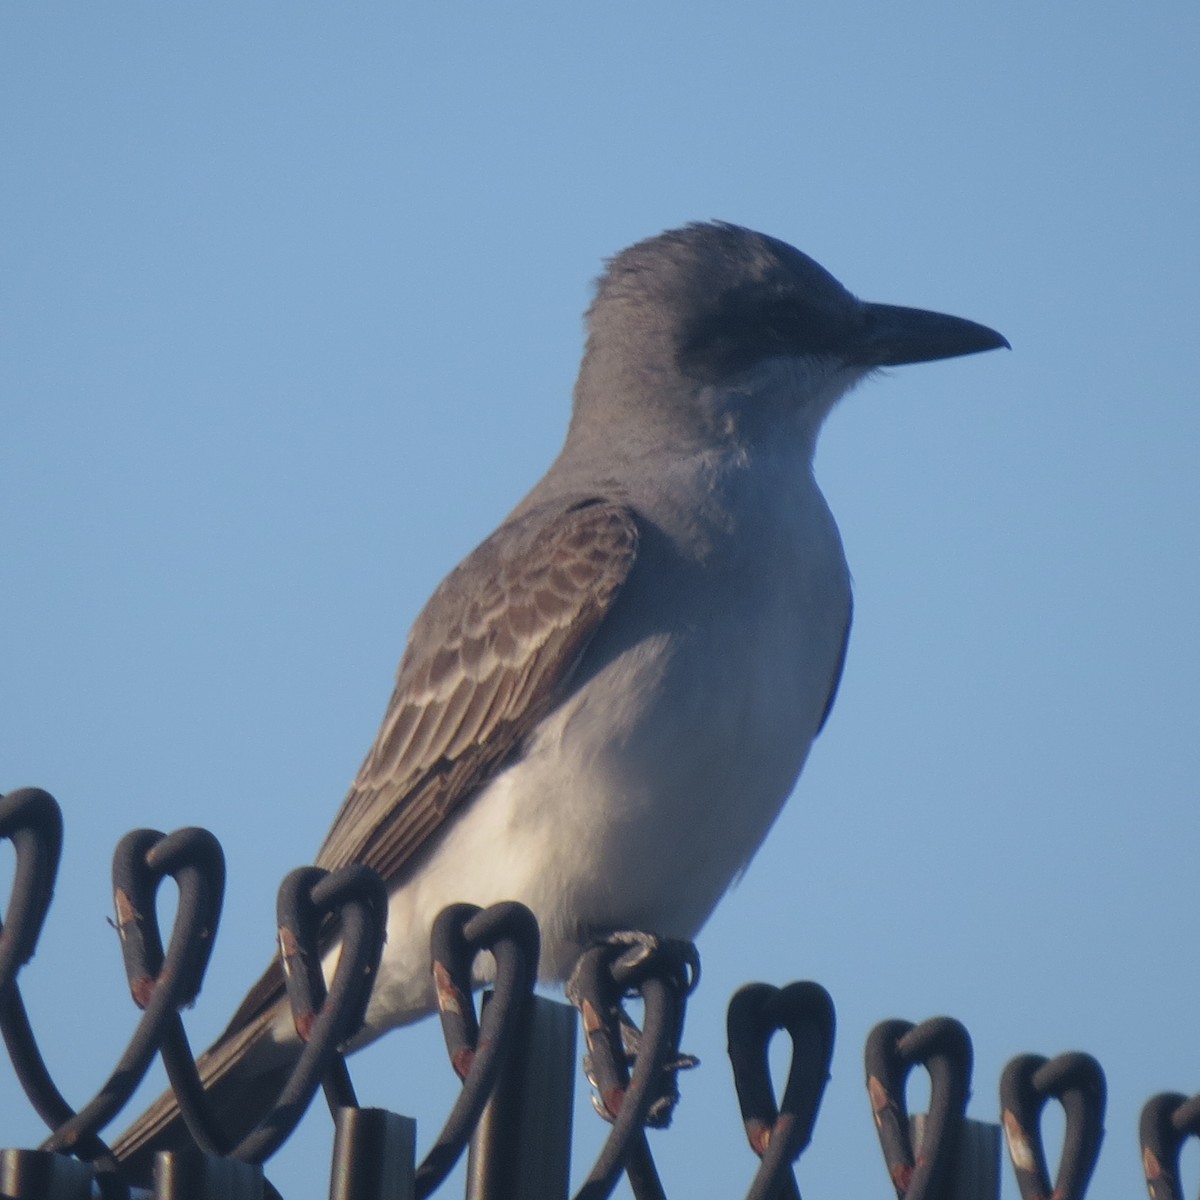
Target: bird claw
x=604 y=975
x=630 y=952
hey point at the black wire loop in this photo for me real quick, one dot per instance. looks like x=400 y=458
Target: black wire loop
x=311 y=904
x=943 y=1046
x=31 y=819
x=141 y=861
x=1076 y=1081
x=1167 y=1121
x=308 y=901
x=477 y=1047
x=634 y=1071
x=160 y=983
x=604 y=976
x=663 y=973
x=779 y=1134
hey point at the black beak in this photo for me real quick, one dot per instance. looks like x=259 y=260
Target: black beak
x=893 y=336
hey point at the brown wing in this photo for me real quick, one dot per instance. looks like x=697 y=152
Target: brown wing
x=486 y=659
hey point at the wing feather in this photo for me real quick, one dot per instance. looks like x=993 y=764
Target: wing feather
x=487 y=658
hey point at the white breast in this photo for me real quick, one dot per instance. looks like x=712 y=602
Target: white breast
x=664 y=774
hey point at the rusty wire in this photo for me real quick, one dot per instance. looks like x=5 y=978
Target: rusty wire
x=943 y=1047
x=662 y=973
x=779 y=1133
x=161 y=983
x=634 y=1071
x=477 y=1048
x=1077 y=1082
x=1167 y=1121
x=355 y=898
x=31 y=820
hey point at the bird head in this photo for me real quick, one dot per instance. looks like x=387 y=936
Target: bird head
x=696 y=321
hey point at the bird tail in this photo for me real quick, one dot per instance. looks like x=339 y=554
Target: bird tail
x=242 y=1073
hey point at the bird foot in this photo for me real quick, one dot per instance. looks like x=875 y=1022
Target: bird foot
x=613 y=969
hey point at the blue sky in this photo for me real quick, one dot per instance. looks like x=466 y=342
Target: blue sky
x=290 y=308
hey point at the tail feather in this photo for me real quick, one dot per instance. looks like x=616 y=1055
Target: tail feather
x=242 y=1074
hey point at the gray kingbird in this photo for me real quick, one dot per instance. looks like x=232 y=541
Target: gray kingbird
x=602 y=709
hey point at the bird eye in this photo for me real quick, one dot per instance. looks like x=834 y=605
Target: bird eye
x=741 y=330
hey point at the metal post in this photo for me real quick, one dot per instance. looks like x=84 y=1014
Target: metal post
x=40 y=1175
x=975 y=1173
x=374 y=1154
x=522 y=1145
x=193 y=1175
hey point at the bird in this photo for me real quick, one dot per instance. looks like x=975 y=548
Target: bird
x=602 y=709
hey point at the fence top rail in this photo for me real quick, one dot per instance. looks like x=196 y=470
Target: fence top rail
x=634 y=1070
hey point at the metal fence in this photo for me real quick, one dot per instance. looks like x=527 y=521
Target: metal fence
x=515 y=1057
